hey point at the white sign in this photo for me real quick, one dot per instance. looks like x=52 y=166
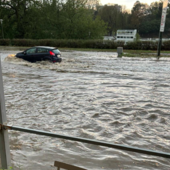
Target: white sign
x=163 y=18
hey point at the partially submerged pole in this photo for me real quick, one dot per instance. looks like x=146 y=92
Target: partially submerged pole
x=159 y=44
x=4 y=139
x=119 y=51
x=162 y=26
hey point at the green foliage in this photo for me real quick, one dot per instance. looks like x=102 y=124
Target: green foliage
x=137 y=37
x=114 y=17
x=81 y=43
x=5 y=42
x=50 y=20
x=10 y=168
x=146 y=19
x=141 y=45
x=71 y=19
x=166 y=45
x=23 y=42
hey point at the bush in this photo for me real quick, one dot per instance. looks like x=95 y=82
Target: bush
x=5 y=42
x=141 y=45
x=23 y=42
x=97 y=44
x=165 y=45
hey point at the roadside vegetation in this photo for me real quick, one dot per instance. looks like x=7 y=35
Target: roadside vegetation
x=32 y=19
x=77 y=19
x=89 y=44
x=80 y=25
x=10 y=168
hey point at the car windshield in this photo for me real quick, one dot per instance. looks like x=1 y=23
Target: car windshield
x=56 y=51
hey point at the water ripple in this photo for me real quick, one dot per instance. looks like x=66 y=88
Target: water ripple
x=92 y=95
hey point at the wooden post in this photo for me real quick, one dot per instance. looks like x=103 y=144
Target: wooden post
x=4 y=140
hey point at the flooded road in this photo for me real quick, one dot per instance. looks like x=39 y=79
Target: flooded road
x=92 y=95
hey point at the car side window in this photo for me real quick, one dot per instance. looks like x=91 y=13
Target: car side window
x=42 y=50
x=31 y=51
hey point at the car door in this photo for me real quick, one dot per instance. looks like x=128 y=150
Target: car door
x=41 y=53
x=30 y=54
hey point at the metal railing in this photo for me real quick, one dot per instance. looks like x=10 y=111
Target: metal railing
x=4 y=140
x=85 y=140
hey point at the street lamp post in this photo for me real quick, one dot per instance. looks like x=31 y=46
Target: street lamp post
x=1 y=20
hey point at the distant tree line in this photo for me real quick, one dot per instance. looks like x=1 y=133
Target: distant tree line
x=71 y=19
x=56 y=19
x=146 y=19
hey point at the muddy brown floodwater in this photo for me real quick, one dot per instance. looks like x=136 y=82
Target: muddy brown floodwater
x=92 y=95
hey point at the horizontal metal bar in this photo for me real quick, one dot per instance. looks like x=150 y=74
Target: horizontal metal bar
x=90 y=141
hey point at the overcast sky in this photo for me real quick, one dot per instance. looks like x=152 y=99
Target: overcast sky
x=128 y=3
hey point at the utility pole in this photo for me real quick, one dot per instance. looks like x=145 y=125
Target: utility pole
x=162 y=26
x=4 y=139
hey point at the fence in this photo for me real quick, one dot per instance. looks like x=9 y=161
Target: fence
x=4 y=140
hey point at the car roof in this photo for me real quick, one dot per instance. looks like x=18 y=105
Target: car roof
x=46 y=47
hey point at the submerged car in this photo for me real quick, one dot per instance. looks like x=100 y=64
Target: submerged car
x=41 y=53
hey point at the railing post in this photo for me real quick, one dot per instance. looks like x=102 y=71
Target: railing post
x=4 y=140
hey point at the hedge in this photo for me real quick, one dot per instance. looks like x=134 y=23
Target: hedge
x=96 y=44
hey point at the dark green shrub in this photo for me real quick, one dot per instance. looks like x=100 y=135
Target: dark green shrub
x=109 y=44
x=120 y=44
x=165 y=45
x=45 y=42
x=130 y=45
x=88 y=44
x=141 y=45
x=153 y=45
x=74 y=43
x=97 y=44
x=23 y=42
x=5 y=42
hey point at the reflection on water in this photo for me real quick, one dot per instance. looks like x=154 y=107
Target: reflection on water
x=92 y=95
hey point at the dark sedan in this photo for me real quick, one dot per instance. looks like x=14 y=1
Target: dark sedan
x=41 y=53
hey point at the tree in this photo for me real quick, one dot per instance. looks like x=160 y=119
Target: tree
x=79 y=22
x=150 y=23
x=139 y=10
x=112 y=15
x=63 y=19
x=15 y=15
